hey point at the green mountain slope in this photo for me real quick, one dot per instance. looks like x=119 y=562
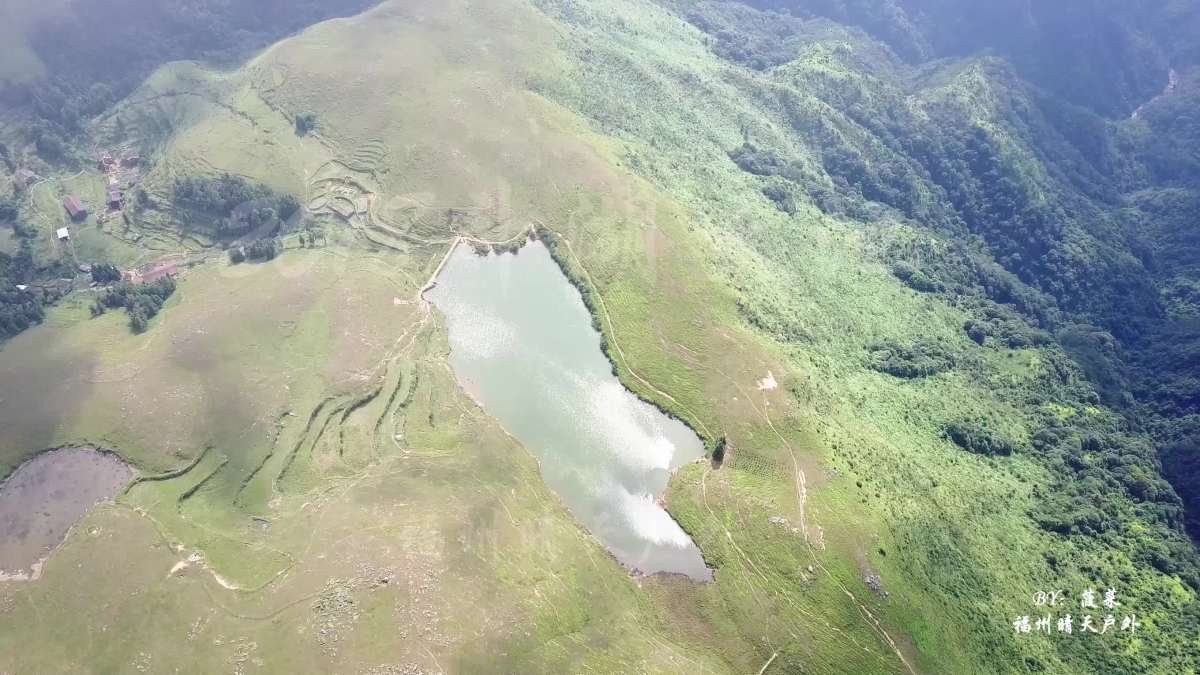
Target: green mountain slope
x=1094 y=213
x=914 y=262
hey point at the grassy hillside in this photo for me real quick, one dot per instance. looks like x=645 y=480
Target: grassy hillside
x=320 y=494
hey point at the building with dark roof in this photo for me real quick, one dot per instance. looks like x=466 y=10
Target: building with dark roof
x=24 y=178
x=75 y=207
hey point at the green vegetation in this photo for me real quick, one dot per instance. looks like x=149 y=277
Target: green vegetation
x=1111 y=63
x=19 y=308
x=305 y=123
x=88 y=57
x=718 y=453
x=978 y=438
x=141 y=301
x=105 y=274
x=258 y=251
x=908 y=266
x=920 y=359
x=238 y=205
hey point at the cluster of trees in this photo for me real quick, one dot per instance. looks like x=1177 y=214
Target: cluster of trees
x=238 y=205
x=980 y=438
x=105 y=274
x=19 y=309
x=718 y=453
x=922 y=358
x=8 y=211
x=141 y=301
x=258 y=251
x=305 y=122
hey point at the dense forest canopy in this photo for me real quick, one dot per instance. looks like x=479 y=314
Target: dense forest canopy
x=1058 y=211
x=1107 y=55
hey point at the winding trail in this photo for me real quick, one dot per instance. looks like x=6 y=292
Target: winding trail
x=1169 y=90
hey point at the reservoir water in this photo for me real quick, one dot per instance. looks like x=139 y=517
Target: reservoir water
x=523 y=345
x=45 y=496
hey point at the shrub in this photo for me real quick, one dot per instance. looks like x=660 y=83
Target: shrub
x=977 y=438
x=922 y=358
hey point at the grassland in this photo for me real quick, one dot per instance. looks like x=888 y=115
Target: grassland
x=346 y=508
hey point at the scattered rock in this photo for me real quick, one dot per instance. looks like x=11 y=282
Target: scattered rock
x=875 y=583
x=401 y=669
x=336 y=613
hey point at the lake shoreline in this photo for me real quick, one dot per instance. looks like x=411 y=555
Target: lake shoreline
x=484 y=344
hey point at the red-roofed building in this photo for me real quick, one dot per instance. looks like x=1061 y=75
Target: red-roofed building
x=75 y=207
x=152 y=273
x=160 y=271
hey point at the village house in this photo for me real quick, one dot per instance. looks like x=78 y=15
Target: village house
x=152 y=273
x=115 y=200
x=63 y=234
x=24 y=178
x=75 y=208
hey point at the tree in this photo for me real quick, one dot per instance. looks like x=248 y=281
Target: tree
x=50 y=146
x=105 y=274
x=287 y=206
x=718 y=454
x=141 y=301
x=263 y=250
x=305 y=123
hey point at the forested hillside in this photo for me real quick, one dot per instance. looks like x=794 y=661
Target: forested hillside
x=1079 y=220
x=995 y=165
x=924 y=274
x=1106 y=55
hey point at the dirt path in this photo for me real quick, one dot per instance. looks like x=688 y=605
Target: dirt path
x=1169 y=90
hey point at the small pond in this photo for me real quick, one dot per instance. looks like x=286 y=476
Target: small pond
x=45 y=496
x=523 y=345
